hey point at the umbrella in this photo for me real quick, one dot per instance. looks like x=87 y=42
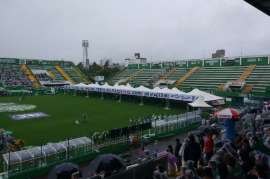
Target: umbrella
x=107 y=163
x=64 y=170
x=228 y=113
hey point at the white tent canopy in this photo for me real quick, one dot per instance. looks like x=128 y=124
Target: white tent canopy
x=45 y=150
x=143 y=91
x=177 y=90
x=206 y=96
x=199 y=103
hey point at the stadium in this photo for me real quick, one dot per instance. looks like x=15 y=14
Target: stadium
x=57 y=121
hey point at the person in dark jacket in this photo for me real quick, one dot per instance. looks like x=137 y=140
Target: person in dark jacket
x=192 y=150
x=177 y=147
x=176 y=151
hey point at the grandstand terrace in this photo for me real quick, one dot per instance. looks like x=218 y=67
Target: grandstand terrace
x=33 y=73
x=210 y=74
x=11 y=76
x=209 y=78
x=260 y=79
x=123 y=76
x=176 y=74
x=146 y=77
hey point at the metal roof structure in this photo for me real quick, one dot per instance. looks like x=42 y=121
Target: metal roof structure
x=262 y=5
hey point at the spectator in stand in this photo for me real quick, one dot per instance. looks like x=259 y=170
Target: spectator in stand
x=186 y=174
x=244 y=153
x=208 y=146
x=177 y=150
x=261 y=172
x=192 y=150
x=170 y=149
x=189 y=171
x=207 y=173
x=160 y=173
x=233 y=167
x=172 y=162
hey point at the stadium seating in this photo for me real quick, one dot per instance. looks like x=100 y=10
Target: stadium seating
x=206 y=78
x=74 y=74
x=178 y=73
x=69 y=72
x=63 y=73
x=209 y=78
x=147 y=77
x=260 y=79
x=11 y=76
x=123 y=76
x=137 y=77
x=50 y=68
x=29 y=74
x=186 y=76
x=43 y=77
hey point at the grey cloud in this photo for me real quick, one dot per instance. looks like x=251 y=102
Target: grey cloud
x=159 y=29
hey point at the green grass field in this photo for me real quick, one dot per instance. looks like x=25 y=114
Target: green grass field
x=64 y=110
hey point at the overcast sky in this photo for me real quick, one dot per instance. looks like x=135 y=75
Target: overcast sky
x=158 y=29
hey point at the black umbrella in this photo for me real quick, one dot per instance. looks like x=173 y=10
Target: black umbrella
x=64 y=170
x=107 y=163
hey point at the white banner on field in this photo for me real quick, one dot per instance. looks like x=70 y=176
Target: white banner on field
x=142 y=91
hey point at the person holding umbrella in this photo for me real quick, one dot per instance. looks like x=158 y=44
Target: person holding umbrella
x=229 y=116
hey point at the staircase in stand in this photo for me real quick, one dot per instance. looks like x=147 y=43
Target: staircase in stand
x=29 y=74
x=247 y=72
x=186 y=76
x=81 y=75
x=51 y=74
x=63 y=73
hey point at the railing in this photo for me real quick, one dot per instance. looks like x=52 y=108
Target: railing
x=161 y=126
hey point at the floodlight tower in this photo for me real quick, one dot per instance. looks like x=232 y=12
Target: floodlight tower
x=85 y=45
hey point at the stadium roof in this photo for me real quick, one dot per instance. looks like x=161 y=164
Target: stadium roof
x=262 y=5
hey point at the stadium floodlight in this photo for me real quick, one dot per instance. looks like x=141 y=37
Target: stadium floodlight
x=85 y=45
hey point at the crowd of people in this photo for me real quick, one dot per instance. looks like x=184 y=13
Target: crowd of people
x=12 y=76
x=206 y=155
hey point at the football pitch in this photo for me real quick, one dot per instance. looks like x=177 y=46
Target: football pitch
x=64 y=111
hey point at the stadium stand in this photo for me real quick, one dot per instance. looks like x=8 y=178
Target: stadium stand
x=205 y=74
x=169 y=73
x=186 y=76
x=29 y=74
x=260 y=79
x=59 y=71
x=74 y=73
x=209 y=78
x=177 y=73
x=37 y=73
x=63 y=73
x=11 y=76
x=147 y=77
x=123 y=76
x=54 y=75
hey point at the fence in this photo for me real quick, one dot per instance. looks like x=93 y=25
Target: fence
x=53 y=153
